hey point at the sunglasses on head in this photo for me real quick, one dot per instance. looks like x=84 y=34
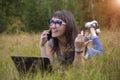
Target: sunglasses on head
x=57 y=23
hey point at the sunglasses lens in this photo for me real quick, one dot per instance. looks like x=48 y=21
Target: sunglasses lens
x=51 y=22
x=57 y=22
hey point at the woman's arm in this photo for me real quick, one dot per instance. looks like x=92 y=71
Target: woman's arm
x=79 y=57
x=79 y=50
x=49 y=52
x=45 y=48
x=80 y=45
x=46 y=51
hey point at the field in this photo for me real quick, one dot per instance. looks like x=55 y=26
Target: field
x=106 y=67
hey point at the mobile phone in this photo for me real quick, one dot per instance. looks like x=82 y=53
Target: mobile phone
x=49 y=35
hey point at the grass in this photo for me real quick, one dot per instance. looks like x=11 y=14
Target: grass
x=105 y=67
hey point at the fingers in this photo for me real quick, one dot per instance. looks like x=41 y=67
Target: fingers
x=45 y=32
x=43 y=37
x=79 y=41
x=82 y=32
x=87 y=42
x=81 y=37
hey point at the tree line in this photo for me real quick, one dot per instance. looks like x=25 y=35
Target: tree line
x=18 y=16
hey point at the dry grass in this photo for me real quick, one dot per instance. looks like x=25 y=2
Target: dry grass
x=105 y=67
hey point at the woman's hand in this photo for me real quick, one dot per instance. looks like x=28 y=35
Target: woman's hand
x=43 y=38
x=80 y=42
x=80 y=45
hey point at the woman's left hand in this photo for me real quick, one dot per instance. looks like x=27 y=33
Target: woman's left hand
x=80 y=42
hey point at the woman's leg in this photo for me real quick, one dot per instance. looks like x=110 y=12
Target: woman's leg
x=96 y=42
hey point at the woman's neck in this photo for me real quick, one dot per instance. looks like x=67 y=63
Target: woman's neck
x=62 y=41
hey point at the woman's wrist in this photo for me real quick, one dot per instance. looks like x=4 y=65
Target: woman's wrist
x=43 y=51
x=76 y=48
x=79 y=50
x=41 y=45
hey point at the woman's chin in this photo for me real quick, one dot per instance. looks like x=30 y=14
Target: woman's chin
x=54 y=35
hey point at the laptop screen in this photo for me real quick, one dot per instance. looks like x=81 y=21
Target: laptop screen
x=31 y=64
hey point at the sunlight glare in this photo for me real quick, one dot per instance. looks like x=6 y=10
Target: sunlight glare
x=118 y=2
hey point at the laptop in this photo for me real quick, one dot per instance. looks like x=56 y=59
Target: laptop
x=31 y=64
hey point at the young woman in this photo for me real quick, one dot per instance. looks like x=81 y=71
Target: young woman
x=66 y=41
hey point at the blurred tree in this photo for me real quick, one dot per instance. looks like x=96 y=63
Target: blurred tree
x=33 y=15
x=36 y=15
x=2 y=22
x=9 y=12
x=2 y=19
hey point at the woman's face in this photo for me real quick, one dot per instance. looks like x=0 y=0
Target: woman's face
x=57 y=27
